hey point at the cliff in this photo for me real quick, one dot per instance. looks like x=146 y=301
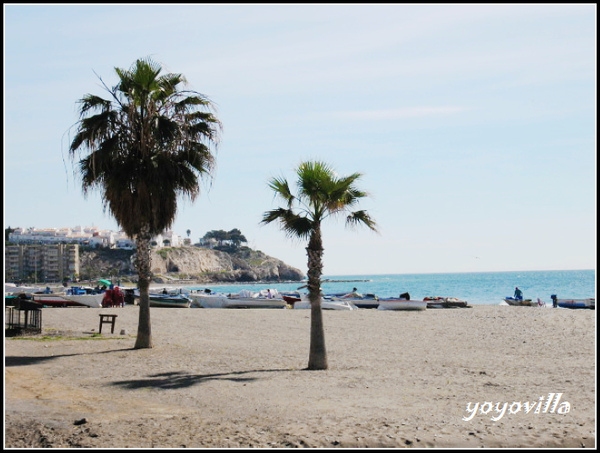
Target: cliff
x=191 y=263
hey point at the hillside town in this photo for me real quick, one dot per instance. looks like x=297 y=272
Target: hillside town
x=53 y=254
x=90 y=237
x=69 y=254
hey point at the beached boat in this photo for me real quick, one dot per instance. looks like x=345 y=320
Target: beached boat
x=170 y=300
x=401 y=304
x=244 y=299
x=326 y=304
x=208 y=300
x=72 y=297
x=520 y=302
x=589 y=303
x=54 y=300
x=362 y=301
x=446 y=302
x=83 y=297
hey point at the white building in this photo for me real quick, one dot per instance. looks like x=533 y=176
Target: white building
x=88 y=236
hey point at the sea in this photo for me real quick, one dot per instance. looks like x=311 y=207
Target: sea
x=484 y=288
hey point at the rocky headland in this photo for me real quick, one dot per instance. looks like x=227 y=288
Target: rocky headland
x=190 y=263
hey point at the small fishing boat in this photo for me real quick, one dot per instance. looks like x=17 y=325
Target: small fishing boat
x=326 y=304
x=589 y=303
x=56 y=300
x=207 y=299
x=170 y=300
x=72 y=297
x=84 y=297
x=446 y=302
x=269 y=298
x=401 y=304
x=362 y=301
x=520 y=302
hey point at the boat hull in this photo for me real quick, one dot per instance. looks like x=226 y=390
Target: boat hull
x=402 y=304
x=55 y=300
x=256 y=303
x=234 y=301
x=577 y=303
x=446 y=302
x=226 y=302
x=166 y=301
x=520 y=302
x=88 y=300
x=328 y=305
x=359 y=302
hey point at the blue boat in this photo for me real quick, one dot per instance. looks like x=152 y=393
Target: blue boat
x=577 y=303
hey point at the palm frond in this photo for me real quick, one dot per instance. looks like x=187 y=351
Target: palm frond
x=294 y=225
x=361 y=218
x=282 y=189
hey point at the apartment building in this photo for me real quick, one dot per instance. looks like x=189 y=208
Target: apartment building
x=41 y=262
x=88 y=236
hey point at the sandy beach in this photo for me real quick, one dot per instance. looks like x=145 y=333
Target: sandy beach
x=237 y=379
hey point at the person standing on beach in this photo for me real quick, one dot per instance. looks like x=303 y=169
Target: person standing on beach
x=518 y=294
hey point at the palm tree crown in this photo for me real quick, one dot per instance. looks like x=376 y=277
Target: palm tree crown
x=147 y=144
x=321 y=194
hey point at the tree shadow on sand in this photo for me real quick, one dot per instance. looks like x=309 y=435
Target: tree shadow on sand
x=34 y=360
x=179 y=379
x=170 y=380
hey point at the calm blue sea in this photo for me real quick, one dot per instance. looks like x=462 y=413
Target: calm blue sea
x=476 y=288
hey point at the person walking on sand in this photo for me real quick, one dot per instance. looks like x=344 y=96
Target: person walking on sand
x=518 y=294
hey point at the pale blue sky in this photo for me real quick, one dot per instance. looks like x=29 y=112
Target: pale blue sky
x=474 y=125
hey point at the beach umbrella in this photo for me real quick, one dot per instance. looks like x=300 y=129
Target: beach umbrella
x=105 y=282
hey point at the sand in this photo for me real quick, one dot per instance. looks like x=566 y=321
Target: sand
x=236 y=379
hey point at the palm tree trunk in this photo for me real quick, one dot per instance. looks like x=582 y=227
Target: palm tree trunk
x=317 y=359
x=143 y=262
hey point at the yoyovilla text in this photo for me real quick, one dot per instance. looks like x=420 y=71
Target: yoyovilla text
x=549 y=405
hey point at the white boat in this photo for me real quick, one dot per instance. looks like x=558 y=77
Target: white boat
x=88 y=300
x=363 y=301
x=170 y=300
x=243 y=299
x=326 y=304
x=401 y=304
x=72 y=297
x=209 y=300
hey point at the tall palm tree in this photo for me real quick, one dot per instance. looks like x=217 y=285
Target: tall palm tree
x=147 y=144
x=320 y=194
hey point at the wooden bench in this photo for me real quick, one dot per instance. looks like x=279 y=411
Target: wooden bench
x=107 y=319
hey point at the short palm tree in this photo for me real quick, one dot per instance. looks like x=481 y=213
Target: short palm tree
x=142 y=148
x=320 y=194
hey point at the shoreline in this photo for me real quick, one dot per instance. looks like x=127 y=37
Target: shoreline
x=219 y=378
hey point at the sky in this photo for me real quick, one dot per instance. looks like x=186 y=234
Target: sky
x=474 y=126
